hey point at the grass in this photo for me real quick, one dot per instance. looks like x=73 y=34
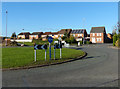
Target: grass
x=24 y=56
x=27 y=43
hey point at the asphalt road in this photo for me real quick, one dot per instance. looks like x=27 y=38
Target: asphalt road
x=99 y=68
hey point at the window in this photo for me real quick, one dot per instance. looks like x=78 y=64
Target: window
x=93 y=34
x=100 y=34
x=98 y=39
x=97 y=34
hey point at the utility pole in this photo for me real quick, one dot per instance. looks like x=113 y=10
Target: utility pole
x=6 y=27
x=83 y=31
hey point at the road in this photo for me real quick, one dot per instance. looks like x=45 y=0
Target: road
x=98 y=68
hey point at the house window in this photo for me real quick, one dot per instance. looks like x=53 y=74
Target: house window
x=93 y=34
x=100 y=34
x=98 y=39
x=97 y=34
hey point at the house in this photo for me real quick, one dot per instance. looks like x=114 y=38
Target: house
x=98 y=35
x=63 y=31
x=109 y=35
x=45 y=35
x=79 y=34
x=54 y=35
x=23 y=35
x=109 y=38
x=35 y=35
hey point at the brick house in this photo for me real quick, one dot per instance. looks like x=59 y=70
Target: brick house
x=79 y=34
x=109 y=38
x=35 y=35
x=23 y=35
x=109 y=35
x=98 y=35
x=63 y=31
x=44 y=35
x=54 y=35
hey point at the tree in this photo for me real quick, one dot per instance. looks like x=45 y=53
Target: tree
x=114 y=32
x=72 y=39
x=66 y=35
x=13 y=36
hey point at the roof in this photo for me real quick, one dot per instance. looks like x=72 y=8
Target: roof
x=37 y=33
x=62 y=31
x=24 y=33
x=77 y=31
x=97 y=30
x=54 y=33
x=47 y=33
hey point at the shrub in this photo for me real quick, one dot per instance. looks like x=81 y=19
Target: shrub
x=115 y=37
x=81 y=42
x=88 y=42
x=67 y=40
x=13 y=43
x=117 y=43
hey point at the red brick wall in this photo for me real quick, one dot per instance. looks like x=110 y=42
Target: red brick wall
x=97 y=37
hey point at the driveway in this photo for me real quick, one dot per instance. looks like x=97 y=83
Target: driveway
x=98 y=68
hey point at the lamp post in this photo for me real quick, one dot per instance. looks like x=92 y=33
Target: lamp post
x=6 y=27
x=83 y=36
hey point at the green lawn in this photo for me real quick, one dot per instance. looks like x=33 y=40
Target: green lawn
x=24 y=56
x=27 y=43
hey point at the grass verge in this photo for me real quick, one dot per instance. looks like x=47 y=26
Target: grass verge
x=24 y=56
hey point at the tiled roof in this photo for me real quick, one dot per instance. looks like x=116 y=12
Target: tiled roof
x=54 y=33
x=62 y=31
x=47 y=33
x=77 y=31
x=97 y=30
x=24 y=33
x=37 y=33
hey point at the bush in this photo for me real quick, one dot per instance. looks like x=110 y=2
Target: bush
x=13 y=43
x=81 y=42
x=115 y=37
x=88 y=42
x=67 y=40
x=117 y=43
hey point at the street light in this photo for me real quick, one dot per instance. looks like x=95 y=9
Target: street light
x=83 y=36
x=6 y=27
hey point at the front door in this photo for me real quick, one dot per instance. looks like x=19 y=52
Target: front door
x=93 y=40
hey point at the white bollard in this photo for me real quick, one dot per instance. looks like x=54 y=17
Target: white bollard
x=60 y=53
x=45 y=54
x=35 y=55
x=54 y=54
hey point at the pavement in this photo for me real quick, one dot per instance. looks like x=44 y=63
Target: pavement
x=98 y=69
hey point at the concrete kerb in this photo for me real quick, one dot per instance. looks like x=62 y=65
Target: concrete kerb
x=35 y=66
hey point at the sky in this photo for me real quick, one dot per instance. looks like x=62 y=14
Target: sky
x=54 y=16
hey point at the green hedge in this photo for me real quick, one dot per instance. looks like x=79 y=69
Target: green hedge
x=115 y=38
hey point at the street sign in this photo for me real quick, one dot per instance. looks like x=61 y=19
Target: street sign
x=57 y=46
x=50 y=39
x=40 y=47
